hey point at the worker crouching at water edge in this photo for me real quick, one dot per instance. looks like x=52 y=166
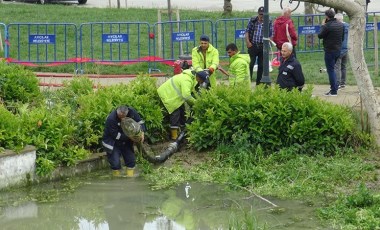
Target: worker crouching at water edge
x=178 y=90
x=116 y=143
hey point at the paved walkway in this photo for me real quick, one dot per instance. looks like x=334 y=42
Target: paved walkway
x=349 y=96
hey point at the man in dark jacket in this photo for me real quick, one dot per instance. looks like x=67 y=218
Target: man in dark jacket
x=254 y=39
x=117 y=144
x=332 y=33
x=290 y=73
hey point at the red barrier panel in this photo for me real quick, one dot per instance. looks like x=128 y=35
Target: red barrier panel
x=89 y=60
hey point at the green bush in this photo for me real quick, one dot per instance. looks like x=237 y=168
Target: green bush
x=73 y=89
x=18 y=84
x=70 y=124
x=140 y=93
x=51 y=128
x=10 y=126
x=273 y=119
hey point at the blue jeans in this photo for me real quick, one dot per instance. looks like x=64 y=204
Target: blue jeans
x=124 y=149
x=330 y=59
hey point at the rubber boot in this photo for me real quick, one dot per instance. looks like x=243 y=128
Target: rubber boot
x=116 y=173
x=130 y=172
x=174 y=130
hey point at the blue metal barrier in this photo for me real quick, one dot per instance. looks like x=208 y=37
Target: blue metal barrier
x=369 y=31
x=122 y=43
x=30 y=43
x=308 y=27
x=176 y=38
x=117 y=42
x=230 y=31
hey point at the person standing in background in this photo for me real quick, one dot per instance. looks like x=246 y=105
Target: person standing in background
x=254 y=39
x=341 y=62
x=284 y=31
x=332 y=33
x=290 y=75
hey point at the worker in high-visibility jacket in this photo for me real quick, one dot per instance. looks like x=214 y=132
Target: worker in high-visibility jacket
x=205 y=56
x=178 y=90
x=239 y=74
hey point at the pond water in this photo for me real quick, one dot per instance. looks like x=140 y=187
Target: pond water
x=98 y=201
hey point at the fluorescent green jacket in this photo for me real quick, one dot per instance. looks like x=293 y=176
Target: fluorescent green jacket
x=239 y=70
x=199 y=62
x=177 y=90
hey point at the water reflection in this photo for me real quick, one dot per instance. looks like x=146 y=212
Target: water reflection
x=163 y=223
x=26 y=210
x=104 y=203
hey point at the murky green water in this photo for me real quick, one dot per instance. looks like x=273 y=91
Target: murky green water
x=101 y=202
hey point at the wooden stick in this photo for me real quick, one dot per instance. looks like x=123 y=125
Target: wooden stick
x=223 y=71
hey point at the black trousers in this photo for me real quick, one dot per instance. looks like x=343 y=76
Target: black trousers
x=177 y=117
x=256 y=52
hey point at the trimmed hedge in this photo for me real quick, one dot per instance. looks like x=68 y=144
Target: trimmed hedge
x=18 y=84
x=272 y=118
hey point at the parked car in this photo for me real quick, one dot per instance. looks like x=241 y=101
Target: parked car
x=80 y=2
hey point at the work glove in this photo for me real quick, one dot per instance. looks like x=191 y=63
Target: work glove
x=211 y=70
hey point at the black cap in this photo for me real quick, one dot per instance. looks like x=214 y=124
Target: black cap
x=202 y=75
x=204 y=37
x=260 y=10
x=330 y=13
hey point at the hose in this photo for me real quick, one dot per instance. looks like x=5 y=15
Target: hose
x=132 y=130
x=166 y=154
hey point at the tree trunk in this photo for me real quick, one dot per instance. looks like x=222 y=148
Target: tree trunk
x=227 y=7
x=309 y=20
x=360 y=70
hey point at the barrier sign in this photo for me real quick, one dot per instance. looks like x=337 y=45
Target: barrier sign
x=42 y=39
x=115 y=38
x=239 y=34
x=308 y=29
x=371 y=26
x=183 y=36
